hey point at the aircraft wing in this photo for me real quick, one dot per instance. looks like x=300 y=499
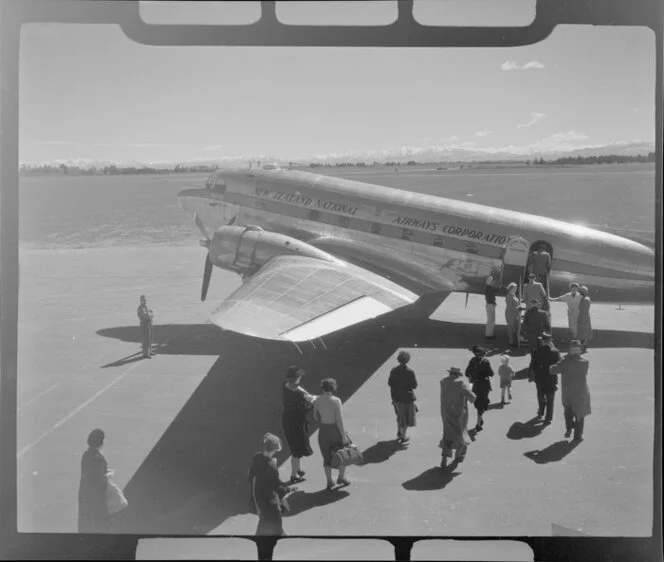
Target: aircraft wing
x=299 y=298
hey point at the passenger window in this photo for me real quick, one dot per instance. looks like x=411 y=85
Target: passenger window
x=439 y=241
x=406 y=234
x=375 y=227
x=343 y=221
x=314 y=215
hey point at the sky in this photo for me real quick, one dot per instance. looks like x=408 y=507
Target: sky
x=89 y=92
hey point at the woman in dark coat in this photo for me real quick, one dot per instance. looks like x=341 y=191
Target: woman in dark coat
x=266 y=489
x=402 y=382
x=93 y=514
x=297 y=403
x=478 y=372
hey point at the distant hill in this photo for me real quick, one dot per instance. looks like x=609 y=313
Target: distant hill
x=443 y=153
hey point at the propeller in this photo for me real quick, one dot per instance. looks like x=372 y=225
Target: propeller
x=206 y=242
x=207 y=274
x=201 y=227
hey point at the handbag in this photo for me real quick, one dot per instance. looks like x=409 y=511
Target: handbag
x=346 y=455
x=115 y=499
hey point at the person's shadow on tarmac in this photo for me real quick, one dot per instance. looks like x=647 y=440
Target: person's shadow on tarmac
x=382 y=451
x=553 y=453
x=435 y=478
x=532 y=428
x=300 y=501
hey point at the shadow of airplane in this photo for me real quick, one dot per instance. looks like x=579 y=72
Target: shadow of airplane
x=207 y=339
x=195 y=477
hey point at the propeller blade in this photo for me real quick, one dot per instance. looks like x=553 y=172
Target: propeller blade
x=232 y=221
x=201 y=226
x=467 y=299
x=207 y=274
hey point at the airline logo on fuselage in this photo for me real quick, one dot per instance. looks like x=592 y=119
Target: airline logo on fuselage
x=401 y=220
x=306 y=201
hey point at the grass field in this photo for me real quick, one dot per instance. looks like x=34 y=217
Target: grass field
x=90 y=211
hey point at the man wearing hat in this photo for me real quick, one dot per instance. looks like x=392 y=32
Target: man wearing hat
x=145 y=316
x=572 y=300
x=546 y=382
x=534 y=290
x=455 y=393
x=573 y=371
x=535 y=321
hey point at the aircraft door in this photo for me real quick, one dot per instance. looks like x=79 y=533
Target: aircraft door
x=515 y=260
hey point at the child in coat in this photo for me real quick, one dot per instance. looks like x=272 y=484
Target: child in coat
x=506 y=373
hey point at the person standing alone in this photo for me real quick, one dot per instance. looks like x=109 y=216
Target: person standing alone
x=402 y=383
x=145 y=316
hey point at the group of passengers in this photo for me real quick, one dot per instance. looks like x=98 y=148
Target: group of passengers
x=537 y=317
x=268 y=491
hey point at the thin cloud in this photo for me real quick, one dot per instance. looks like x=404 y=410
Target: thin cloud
x=213 y=147
x=482 y=133
x=56 y=143
x=535 y=117
x=512 y=65
x=558 y=142
x=148 y=145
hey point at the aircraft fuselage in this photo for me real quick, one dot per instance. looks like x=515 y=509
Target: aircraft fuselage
x=423 y=242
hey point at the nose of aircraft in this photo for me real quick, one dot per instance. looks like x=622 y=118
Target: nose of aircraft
x=187 y=195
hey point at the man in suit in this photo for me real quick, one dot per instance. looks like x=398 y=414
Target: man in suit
x=541 y=266
x=546 y=382
x=534 y=290
x=145 y=316
x=535 y=322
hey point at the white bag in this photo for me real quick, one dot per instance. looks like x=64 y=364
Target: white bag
x=115 y=499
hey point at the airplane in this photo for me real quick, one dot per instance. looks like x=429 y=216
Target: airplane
x=318 y=253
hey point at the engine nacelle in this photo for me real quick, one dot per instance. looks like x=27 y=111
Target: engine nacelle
x=244 y=249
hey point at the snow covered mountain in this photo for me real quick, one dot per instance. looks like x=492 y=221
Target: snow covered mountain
x=464 y=152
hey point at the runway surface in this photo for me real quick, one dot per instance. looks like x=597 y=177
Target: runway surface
x=182 y=427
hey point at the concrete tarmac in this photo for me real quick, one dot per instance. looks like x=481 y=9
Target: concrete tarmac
x=182 y=427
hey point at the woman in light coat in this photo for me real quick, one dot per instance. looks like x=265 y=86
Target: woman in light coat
x=513 y=315
x=572 y=299
x=455 y=393
x=573 y=371
x=584 y=329
x=328 y=412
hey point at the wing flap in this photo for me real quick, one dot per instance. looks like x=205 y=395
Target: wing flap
x=299 y=298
